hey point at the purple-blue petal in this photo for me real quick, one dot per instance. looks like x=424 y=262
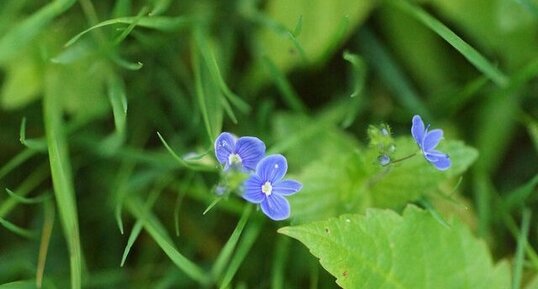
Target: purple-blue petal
x=443 y=163
x=276 y=207
x=272 y=168
x=224 y=146
x=440 y=160
x=432 y=139
x=253 y=190
x=417 y=129
x=251 y=150
x=287 y=187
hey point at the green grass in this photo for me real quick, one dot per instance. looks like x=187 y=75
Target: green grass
x=109 y=111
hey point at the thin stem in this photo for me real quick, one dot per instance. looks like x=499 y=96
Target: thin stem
x=404 y=158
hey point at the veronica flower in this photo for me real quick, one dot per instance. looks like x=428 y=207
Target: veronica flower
x=267 y=188
x=243 y=153
x=427 y=141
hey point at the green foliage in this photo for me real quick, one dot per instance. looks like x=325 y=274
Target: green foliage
x=109 y=110
x=383 y=249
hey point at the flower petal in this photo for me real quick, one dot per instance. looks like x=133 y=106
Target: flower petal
x=432 y=139
x=224 y=146
x=253 y=190
x=443 y=163
x=440 y=160
x=287 y=187
x=251 y=150
x=276 y=207
x=417 y=129
x=272 y=168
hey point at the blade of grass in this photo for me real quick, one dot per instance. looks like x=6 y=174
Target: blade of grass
x=62 y=179
x=46 y=233
x=25 y=200
x=471 y=54
x=208 y=55
x=521 y=247
x=359 y=78
x=18 y=37
x=180 y=160
x=137 y=228
x=381 y=61
x=199 y=89
x=251 y=233
x=30 y=183
x=17 y=230
x=290 y=97
x=159 y=7
x=517 y=197
x=226 y=252
x=131 y=26
x=38 y=145
x=16 y=161
x=157 y=232
x=279 y=263
x=161 y=23
x=19 y=285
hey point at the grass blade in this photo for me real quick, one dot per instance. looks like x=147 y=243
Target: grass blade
x=17 y=38
x=45 y=240
x=17 y=230
x=25 y=200
x=162 y=23
x=182 y=161
x=521 y=247
x=157 y=232
x=291 y=97
x=16 y=161
x=380 y=60
x=227 y=250
x=471 y=54
x=246 y=243
x=62 y=179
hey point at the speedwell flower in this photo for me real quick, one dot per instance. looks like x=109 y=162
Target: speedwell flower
x=427 y=141
x=267 y=188
x=243 y=153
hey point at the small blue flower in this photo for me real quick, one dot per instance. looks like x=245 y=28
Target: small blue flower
x=267 y=188
x=427 y=141
x=383 y=160
x=243 y=153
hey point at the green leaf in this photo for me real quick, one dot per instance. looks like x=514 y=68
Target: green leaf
x=347 y=179
x=385 y=250
x=408 y=180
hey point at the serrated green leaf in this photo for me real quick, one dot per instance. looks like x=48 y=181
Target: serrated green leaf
x=414 y=177
x=347 y=179
x=385 y=250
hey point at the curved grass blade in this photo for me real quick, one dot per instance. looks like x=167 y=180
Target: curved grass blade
x=17 y=38
x=161 y=23
x=471 y=54
x=62 y=178
x=45 y=240
x=16 y=229
x=226 y=252
x=38 y=145
x=16 y=161
x=157 y=232
x=182 y=161
x=289 y=94
x=25 y=200
x=521 y=247
x=251 y=233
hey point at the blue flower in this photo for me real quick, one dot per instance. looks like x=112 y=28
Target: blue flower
x=267 y=188
x=243 y=153
x=427 y=141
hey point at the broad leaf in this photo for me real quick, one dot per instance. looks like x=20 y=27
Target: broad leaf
x=349 y=179
x=385 y=250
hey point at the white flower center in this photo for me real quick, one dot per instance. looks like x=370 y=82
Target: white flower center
x=234 y=159
x=267 y=188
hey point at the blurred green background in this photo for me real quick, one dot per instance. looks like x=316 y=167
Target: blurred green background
x=86 y=85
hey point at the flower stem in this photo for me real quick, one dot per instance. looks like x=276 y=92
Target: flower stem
x=404 y=158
